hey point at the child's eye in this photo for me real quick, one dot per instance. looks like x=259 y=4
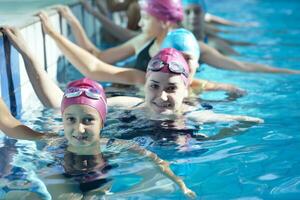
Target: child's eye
x=171 y=88
x=88 y=120
x=71 y=119
x=154 y=86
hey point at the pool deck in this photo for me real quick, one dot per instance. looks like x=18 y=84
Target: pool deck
x=15 y=87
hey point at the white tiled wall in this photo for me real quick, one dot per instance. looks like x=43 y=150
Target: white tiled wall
x=52 y=51
x=34 y=39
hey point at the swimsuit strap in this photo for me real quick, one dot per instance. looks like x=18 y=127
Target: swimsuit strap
x=143 y=57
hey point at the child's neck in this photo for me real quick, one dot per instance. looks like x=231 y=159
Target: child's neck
x=93 y=149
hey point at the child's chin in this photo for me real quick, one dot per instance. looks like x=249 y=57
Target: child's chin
x=81 y=143
x=165 y=113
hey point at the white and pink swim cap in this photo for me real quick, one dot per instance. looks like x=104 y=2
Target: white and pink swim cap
x=85 y=92
x=166 y=10
x=170 y=60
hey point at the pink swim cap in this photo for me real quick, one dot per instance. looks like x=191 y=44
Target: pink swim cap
x=170 y=60
x=166 y=10
x=85 y=92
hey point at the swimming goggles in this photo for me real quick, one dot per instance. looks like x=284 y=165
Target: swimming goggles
x=157 y=65
x=89 y=92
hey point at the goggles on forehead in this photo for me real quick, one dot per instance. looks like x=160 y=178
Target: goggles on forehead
x=157 y=65
x=89 y=92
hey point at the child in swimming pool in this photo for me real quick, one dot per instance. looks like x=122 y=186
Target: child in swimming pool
x=84 y=110
x=94 y=68
x=194 y=20
x=165 y=91
x=184 y=41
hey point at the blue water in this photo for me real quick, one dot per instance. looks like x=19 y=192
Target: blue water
x=261 y=163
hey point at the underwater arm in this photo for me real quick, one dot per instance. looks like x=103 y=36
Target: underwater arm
x=163 y=167
x=212 y=57
x=46 y=89
x=208 y=116
x=88 y=64
x=14 y=128
x=231 y=131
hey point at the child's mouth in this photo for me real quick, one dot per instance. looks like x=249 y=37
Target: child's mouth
x=162 y=105
x=81 y=137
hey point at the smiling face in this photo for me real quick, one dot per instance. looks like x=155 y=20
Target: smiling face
x=82 y=125
x=164 y=93
x=150 y=25
x=194 y=20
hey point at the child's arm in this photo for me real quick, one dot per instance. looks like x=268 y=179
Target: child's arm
x=199 y=85
x=88 y=64
x=212 y=57
x=78 y=31
x=111 y=55
x=208 y=116
x=222 y=46
x=231 y=131
x=119 y=5
x=123 y=34
x=45 y=88
x=13 y=128
x=163 y=167
x=210 y=18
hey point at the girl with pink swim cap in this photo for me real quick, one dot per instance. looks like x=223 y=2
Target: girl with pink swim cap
x=84 y=108
x=166 y=88
x=156 y=28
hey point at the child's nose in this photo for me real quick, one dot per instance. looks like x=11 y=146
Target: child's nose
x=164 y=96
x=80 y=128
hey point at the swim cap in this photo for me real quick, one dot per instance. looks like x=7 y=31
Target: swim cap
x=182 y=40
x=170 y=61
x=195 y=2
x=166 y=10
x=85 y=92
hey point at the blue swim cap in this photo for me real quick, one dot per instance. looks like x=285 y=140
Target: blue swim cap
x=197 y=2
x=182 y=40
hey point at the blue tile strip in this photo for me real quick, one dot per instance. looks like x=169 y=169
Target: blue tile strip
x=12 y=98
x=3 y=74
x=45 y=49
x=15 y=69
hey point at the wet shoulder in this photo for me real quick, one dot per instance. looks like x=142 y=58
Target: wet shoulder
x=140 y=42
x=124 y=101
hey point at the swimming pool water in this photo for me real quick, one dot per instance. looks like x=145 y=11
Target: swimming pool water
x=261 y=163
